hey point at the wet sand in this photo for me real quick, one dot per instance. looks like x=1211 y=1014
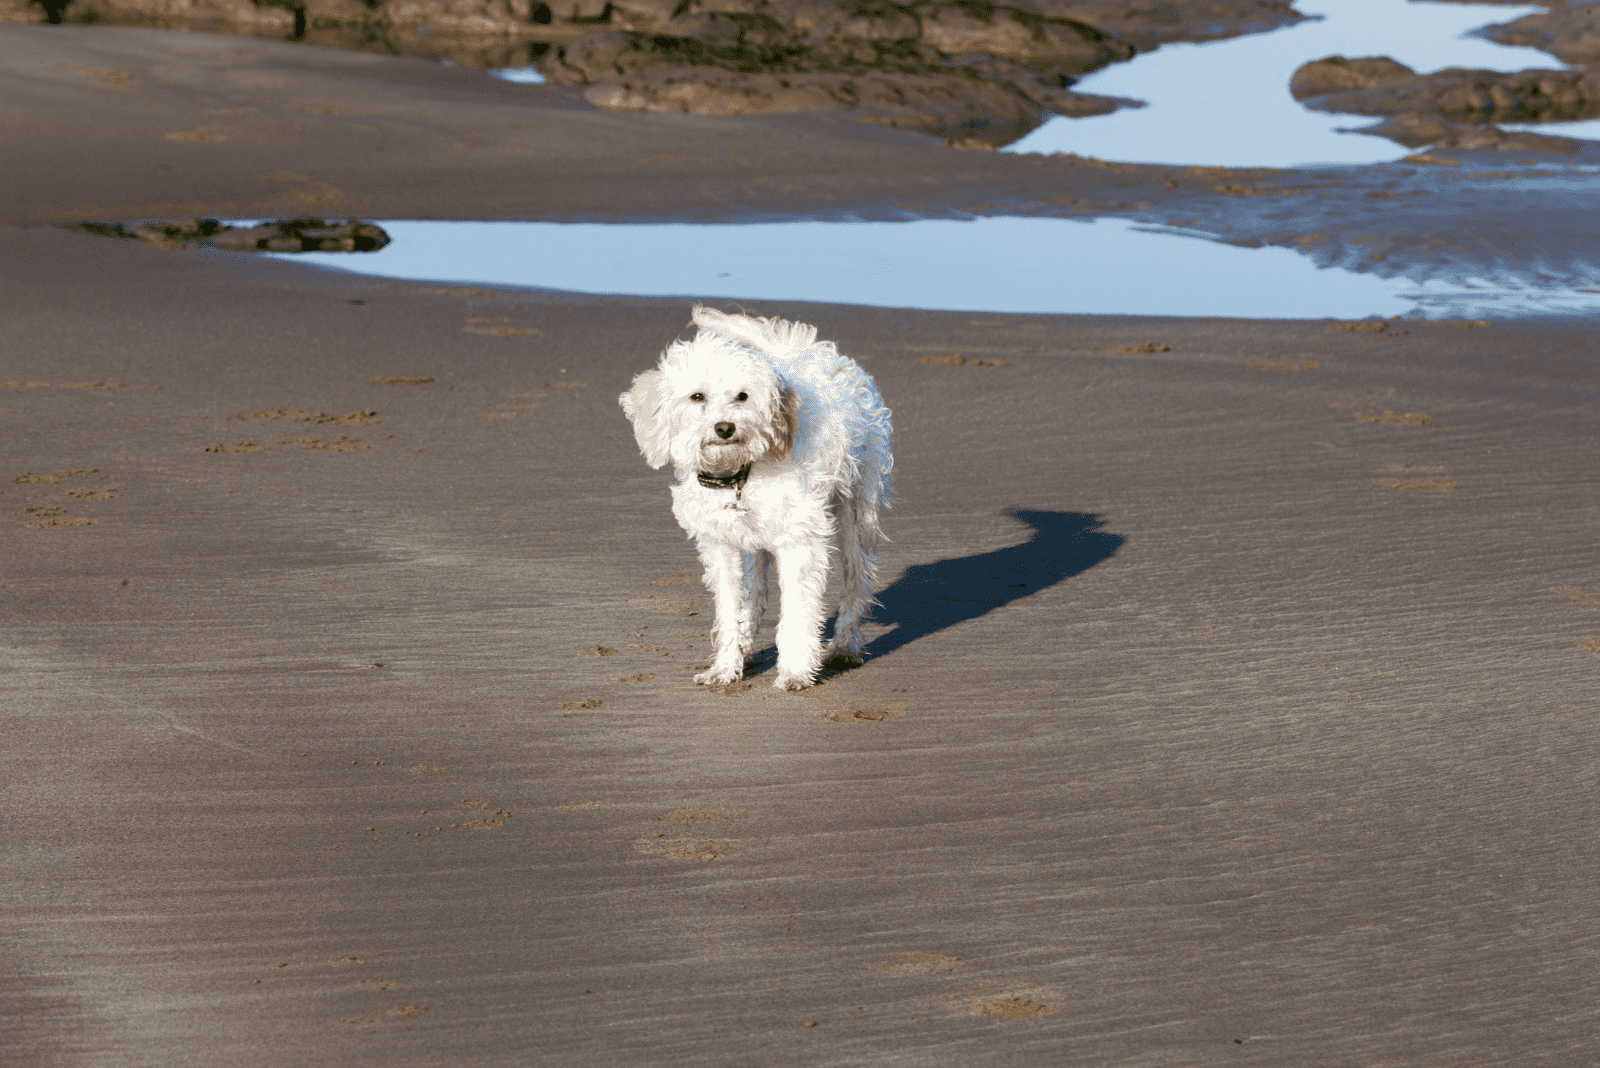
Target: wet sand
x=1231 y=701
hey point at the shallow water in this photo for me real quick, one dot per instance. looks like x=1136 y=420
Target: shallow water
x=1227 y=103
x=1104 y=266
x=1589 y=129
x=521 y=75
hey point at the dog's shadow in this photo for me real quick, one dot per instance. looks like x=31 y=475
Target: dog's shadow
x=929 y=598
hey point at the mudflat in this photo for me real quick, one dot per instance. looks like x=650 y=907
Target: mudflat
x=1230 y=701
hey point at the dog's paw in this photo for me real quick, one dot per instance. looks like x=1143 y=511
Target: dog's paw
x=719 y=676
x=843 y=658
x=792 y=680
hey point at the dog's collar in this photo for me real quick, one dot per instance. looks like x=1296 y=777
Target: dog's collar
x=734 y=481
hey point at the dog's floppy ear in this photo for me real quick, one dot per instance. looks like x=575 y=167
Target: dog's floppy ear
x=785 y=421
x=645 y=406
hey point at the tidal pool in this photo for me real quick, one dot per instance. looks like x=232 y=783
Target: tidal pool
x=1227 y=103
x=1007 y=264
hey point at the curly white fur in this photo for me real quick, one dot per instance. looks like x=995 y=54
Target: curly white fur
x=816 y=436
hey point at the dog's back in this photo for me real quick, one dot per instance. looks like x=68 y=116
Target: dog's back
x=771 y=337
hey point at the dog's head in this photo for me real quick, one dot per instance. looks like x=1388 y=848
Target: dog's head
x=711 y=406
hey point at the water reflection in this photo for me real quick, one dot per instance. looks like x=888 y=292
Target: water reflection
x=1587 y=129
x=1227 y=103
x=1008 y=264
x=520 y=75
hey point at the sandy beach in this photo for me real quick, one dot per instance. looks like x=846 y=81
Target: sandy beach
x=1231 y=701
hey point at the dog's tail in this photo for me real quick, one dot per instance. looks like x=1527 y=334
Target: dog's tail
x=771 y=337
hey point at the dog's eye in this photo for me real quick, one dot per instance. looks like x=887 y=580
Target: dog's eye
x=697 y=397
x=742 y=397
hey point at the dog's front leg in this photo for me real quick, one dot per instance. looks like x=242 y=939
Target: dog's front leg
x=756 y=565
x=725 y=579
x=803 y=575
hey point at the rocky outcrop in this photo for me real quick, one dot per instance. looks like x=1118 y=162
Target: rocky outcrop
x=1334 y=74
x=1571 y=33
x=1416 y=131
x=969 y=68
x=483 y=33
x=1472 y=96
x=456 y=17
x=1149 y=25
x=936 y=103
x=1146 y=26
x=287 y=235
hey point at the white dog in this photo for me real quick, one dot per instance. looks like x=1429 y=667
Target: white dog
x=778 y=443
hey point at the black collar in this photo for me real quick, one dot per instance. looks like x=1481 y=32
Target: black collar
x=734 y=481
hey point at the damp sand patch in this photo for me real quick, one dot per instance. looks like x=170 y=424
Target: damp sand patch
x=958 y=360
x=669 y=603
x=44 y=518
x=1368 y=412
x=697 y=815
x=1293 y=365
x=1414 y=478
x=919 y=964
x=28 y=478
x=1010 y=1008
x=364 y=417
x=686 y=847
x=863 y=714
x=336 y=444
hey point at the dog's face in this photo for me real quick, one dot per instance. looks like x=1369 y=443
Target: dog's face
x=711 y=406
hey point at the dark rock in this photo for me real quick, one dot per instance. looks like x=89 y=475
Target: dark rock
x=174 y=233
x=1149 y=25
x=1465 y=95
x=1336 y=73
x=1477 y=138
x=847 y=26
x=1416 y=131
x=1082 y=105
x=288 y=235
x=642 y=14
x=1049 y=45
x=931 y=103
x=1411 y=129
x=948 y=69
x=1571 y=33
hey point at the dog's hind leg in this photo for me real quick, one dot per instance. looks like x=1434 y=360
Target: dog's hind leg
x=725 y=579
x=803 y=576
x=858 y=571
x=756 y=566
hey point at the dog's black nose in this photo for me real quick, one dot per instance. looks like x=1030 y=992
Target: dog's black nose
x=724 y=430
